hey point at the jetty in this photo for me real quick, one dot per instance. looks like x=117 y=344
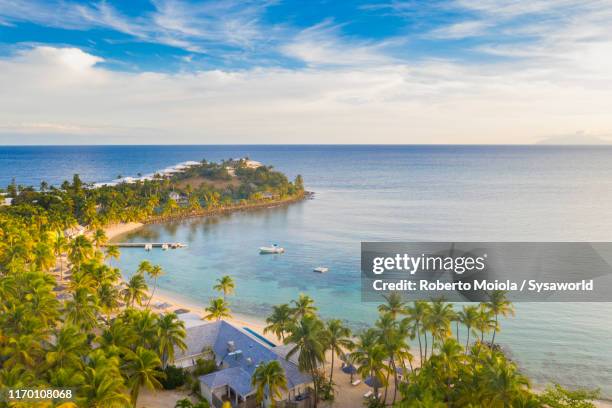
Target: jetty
x=164 y=245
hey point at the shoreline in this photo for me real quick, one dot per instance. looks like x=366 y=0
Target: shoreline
x=255 y=323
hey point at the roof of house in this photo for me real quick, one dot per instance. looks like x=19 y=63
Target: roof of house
x=238 y=350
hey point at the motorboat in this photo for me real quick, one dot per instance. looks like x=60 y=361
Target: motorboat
x=321 y=269
x=165 y=247
x=148 y=247
x=274 y=249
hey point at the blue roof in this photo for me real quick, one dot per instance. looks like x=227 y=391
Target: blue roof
x=241 y=359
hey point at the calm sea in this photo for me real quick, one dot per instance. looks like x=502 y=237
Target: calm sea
x=409 y=193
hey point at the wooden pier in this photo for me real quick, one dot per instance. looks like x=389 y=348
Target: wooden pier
x=169 y=245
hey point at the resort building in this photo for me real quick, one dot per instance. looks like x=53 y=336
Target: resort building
x=237 y=352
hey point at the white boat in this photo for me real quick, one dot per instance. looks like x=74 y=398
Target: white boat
x=165 y=247
x=274 y=249
x=148 y=247
x=320 y=269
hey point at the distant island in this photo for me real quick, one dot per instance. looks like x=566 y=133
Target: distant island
x=576 y=139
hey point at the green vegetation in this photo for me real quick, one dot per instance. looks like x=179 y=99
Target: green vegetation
x=67 y=320
x=66 y=317
x=442 y=373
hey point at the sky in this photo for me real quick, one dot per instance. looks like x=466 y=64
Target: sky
x=311 y=71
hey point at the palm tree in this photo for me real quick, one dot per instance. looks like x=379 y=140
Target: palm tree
x=103 y=383
x=43 y=256
x=112 y=252
x=280 y=320
x=394 y=305
x=60 y=244
x=99 y=238
x=499 y=304
x=417 y=315
x=82 y=310
x=143 y=371
x=154 y=272
x=304 y=306
x=484 y=322
x=108 y=299
x=269 y=380
x=135 y=290
x=170 y=335
x=144 y=267
x=80 y=250
x=225 y=285
x=337 y=339
x=218 y=309
x=468 y=317
x=306 y=337
x=439 y=320
x=66 y=351
x=370 y=356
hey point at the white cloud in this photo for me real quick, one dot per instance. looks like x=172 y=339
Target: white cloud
x=460 y=30
x=322 y=44
x=61 y=91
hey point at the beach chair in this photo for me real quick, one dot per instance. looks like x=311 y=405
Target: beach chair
x=368 y=394
x=356 y=382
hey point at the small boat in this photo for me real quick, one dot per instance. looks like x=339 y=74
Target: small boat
x=274 y=249
x=320 y=269
x=148 y=247
x=165 y=247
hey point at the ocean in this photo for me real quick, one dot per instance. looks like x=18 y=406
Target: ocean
x=375 y=193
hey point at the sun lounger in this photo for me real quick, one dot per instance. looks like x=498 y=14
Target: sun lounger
x=356 y=382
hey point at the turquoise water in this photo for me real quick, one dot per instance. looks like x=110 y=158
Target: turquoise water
x=408 y=193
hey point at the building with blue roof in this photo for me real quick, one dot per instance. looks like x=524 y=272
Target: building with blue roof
x=237 y=353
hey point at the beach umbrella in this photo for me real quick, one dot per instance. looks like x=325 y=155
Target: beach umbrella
x=349 y=369
x=373 y=382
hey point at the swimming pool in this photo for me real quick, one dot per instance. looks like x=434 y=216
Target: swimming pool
x=260 y=337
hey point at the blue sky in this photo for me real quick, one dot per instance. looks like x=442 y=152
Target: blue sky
x=280 y=71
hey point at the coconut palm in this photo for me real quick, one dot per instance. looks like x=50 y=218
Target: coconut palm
x=144 y=267
x=135 y=290
x=67 y=349
x=108 y=298
x=306 y=336
x=337 y=339
x=154 y=272
x=439 y=320
x=485 y=321
x=393 y=306
x=217 y=310
x=103 y=384
x=112 y=252
x=80 y=250
x=99 y=238
x=60 y=244
x=280 y=320
x=143 y=371
x=82 y=310
x=269 y=380
x=418 y=313
x=43 y=256
x=170 y=335
x=225 y=285
x=499 y=304
x=370 y=357
x=468 y=317
x=303 y=306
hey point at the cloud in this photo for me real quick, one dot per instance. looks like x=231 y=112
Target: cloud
x=460 y=30
x=323 y=44
x=193 y=27
x=65 y=91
